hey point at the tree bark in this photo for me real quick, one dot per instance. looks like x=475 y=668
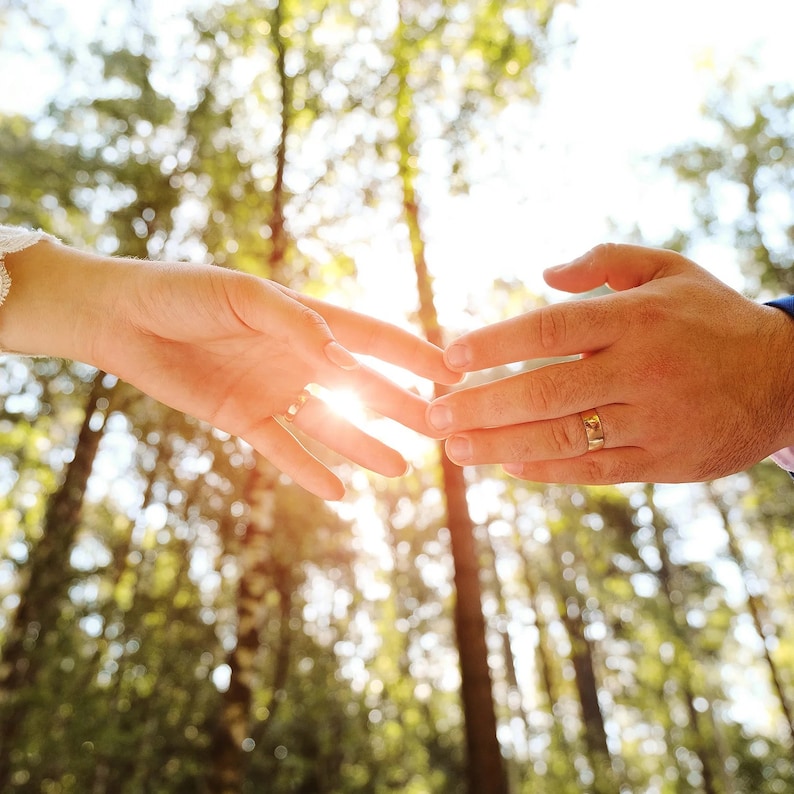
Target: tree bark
x=229 y=758
x=35 y=623
x=486 y=767
x=585 y=680
x=544 y=662
x=683 y=646
x=758 y=611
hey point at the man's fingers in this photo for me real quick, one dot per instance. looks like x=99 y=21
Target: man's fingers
x=619 y=266
x=547 y=393
x=572 y=327
x=555 y=439
x=604 y=467
x=562 y=329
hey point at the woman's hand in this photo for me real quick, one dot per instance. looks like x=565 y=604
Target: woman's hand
x=691 y=380
x=223 y=346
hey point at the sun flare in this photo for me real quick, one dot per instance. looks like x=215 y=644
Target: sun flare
x=348 y=404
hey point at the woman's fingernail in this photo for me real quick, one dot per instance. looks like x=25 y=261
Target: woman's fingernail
x=514 y=469
x=439 y=417
x=343 y=359
x=459 y=448
x=458 y=355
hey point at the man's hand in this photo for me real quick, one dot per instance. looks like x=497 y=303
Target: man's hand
x=691 y=380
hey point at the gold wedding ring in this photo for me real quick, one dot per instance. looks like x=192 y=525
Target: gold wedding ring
x=592 y=426
x=292 y=411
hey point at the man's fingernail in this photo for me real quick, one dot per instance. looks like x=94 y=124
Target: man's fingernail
x=514 y=469
x=459 y=449
x=343 y=359
x=563 y=266
x=458 y=355
x=439 y=417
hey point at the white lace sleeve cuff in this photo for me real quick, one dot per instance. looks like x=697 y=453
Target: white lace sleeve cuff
x=13 y=239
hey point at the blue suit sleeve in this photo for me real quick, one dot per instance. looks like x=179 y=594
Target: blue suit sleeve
x=787 y=305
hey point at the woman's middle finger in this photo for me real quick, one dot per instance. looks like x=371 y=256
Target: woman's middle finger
x=383 y=396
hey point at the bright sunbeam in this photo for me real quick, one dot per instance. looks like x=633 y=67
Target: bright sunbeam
x=346 y=403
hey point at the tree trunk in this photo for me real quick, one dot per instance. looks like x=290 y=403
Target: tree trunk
x=229 y=758
x=587 y=688
x=758 y=611
x=544 y=662
x=279 y=238
x=515 y=699
x=256 y=576
x=513 y=704
x=35 y=623
x=683 y=648
x=486 y=767
x=585 y=680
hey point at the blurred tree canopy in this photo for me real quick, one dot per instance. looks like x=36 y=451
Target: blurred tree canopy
x=177 y=616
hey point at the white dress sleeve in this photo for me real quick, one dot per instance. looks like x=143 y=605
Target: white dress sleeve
x=13 y=239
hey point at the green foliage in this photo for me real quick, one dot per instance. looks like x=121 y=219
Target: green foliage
x=266 y=138
x=742 y=181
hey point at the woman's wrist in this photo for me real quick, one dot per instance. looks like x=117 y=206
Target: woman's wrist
x=62 y=301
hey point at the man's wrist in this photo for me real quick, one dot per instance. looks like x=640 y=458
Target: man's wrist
x=785 y=456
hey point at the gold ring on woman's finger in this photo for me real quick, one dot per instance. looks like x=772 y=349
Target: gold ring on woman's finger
x=292 y=411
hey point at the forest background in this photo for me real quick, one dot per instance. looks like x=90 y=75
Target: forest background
x=177 y=616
